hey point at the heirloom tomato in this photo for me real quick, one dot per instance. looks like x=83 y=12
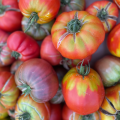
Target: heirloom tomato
x=37 y=78
x=110 y=108
x=27 y=109
x=106 y=11
x=8 y=90
x=3 y=112
x=83 y=90
x=113 y=41
x=37 y=31
x=49 y=53
x=58 y=98
x=5 y=52
x=23 y=46
x=15 y=66
x=39 y=11
x=56 y=112
x=108 y=68
x=68 y=114
x=77 y=34
x=5 y=68
x=117 y=3
x=70 y=5
x=10 y=15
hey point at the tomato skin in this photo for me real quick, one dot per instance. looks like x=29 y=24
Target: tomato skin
x=78 y=91
x=45 y=10
x=112 y=11
x=113 y=94
x=74 y=45
x=39 y=75
x=11 y=20
x=3 y=112
x=68 y=114
x=113 y=41
x=49 y=53
x=8 y=86
x=37 y=111
x=56 y=112
x=117 y=2
x=108 y=68
x=6 y=68
x=5 y=53
x=26 y=46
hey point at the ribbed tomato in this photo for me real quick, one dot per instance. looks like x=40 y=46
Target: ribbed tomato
x=68 y=114
x=110 y=108
x=8 y=90
x=108 y=68
x=83 y=90
x=40 y=11
x=106 y=11
x=37 y=78
x=113 y=41
x=49 y=53
x=27 y=109
x=23 y=46
x=77 y=34
x=10 y=15
x=5 y=52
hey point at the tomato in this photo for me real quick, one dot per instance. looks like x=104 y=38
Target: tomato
x=56 y=112
x=69 y=63
x=106 y=11
x=117 y=3
x=3 y=112
x=113 y=41
x=37 y=31
x=8 y=90
x=58 y=98
x=27 y=109
x=77 y=34
x=23 y=46
x=5 y=52
x=68 y=114
x=83 y=90
x=39 y=11
x=11 y=112
x=69 y=5
x=110 y=109
x=6 y=68
x=37 y=78
x=10 y=15
x=108 y=68
x=15 y=66
x=49 y=53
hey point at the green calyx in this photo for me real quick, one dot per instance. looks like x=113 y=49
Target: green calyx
x=83 y=70
x=74 y=26
x=87 y=117
x=15 y=54
x=0 y=95
x=25 y=89
x=32 y=20
x=118 y=115
x=24 y=116
x=65 y=2
x=102 y=15
x=12 y=111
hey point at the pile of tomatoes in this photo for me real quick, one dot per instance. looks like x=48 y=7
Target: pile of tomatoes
x=46 y=47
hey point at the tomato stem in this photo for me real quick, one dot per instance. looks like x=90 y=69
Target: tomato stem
x=24 y=116
x=32 y=20
x=15 y=54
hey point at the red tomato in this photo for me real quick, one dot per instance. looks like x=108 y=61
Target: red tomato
x=83 y=90
x=56 y=112
x=113 y=41
x=23 y=46
x=27 y=109
x=49 y=53
x=8 y=90
x=110 y=108
x=6 y=68
x=106 y=11
x=68 y=114
x=5 y=52
x=40 y=11
x=37 y=78
x=10 y=16
x=117 y=3
x=77 y=34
